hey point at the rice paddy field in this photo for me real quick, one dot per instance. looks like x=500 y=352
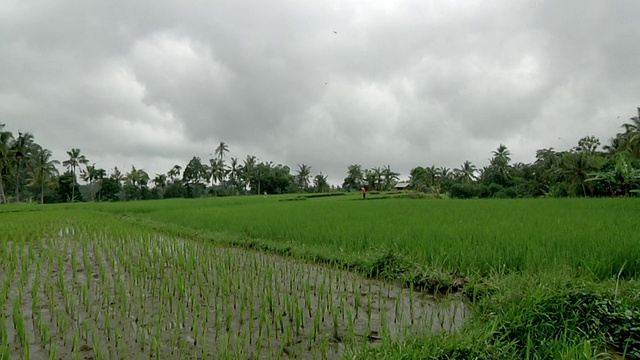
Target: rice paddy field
x=321 y=277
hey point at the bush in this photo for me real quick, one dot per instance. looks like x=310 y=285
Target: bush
x=465 y=191
x=550 y=315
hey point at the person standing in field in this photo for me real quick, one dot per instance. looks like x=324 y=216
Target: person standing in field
x=364 y=192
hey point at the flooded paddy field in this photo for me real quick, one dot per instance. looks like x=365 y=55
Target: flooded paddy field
x=78 y=292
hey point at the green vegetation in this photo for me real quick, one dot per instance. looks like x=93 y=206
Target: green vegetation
x=77 y=284
x=589 y=236
x=536 y=278
x=28 y=172
x=554 y=278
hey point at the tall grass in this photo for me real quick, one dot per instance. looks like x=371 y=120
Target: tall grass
x=590 y=236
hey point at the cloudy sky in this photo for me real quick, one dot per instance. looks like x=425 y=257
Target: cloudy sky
x=324 y=83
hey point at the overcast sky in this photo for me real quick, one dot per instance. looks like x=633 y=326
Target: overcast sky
x=324 y=83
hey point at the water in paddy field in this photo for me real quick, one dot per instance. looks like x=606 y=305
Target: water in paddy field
x=150 y=296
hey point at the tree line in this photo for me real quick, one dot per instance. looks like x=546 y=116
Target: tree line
x=585 y=170
x=29 y=172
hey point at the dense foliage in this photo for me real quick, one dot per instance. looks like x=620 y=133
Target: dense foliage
x=28 y=171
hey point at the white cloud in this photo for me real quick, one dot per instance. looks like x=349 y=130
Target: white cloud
x=403 y=83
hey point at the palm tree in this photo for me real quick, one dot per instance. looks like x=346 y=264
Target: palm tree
x=634 y=125
x=249 y=168
x=235 y=173
x=574 y=168
x=100 y=174
x=502 y=154
x=632 y=135
x=74 y=161
x=443 y=173
x=221 y=150
x=320 y=182
x=500 y=163
x=138 y=178
x=160 y=182
x=303 y=176
x=174 y=172
x=547 y=160
x=117 y=175
x=42 y=168
x=432 y=175
x=390 y=177
x=89 y=175
x=466 y=172
x=373 y=178
x=5 y=146
x=217 y=171
x=20 y=150
x=616 y=144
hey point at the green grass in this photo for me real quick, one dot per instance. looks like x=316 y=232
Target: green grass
x=549 y=278
x=589 y=236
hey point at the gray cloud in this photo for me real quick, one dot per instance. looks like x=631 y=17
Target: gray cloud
x=401 y=83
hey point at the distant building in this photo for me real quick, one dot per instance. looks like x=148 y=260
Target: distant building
x=402 y=185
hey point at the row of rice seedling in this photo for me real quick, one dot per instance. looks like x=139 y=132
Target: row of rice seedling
x=79 y=286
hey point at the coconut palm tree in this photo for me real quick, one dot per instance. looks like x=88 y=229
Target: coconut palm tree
x=136 y=180
x=390 y=177
x=373 y=178
x=235 y=173
x=160 y=182
x=547 y=161
x=320 y=182
x=500 y=164
x=75 y=160
x=5 y=158
x=574 y=169
x=432 y=175
x=632 y=135
x=249 y=168
x=174 y=172
x=20 y=150
x=100 y=175
x=117 y=175
x=502 y=154
x=467 y=172
x=221 y=150
x=42 y=168
x=443 y=173
x=302 y=178
x=634 y=125
x=217 y=171
x=89 y=175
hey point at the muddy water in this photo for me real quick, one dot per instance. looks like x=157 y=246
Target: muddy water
x=140 y=296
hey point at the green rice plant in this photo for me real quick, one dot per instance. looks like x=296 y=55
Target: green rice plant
x=335 y=316
x=44 y=335
x=291 y=301
x=4 y=336
x=52 y=352
x=18 y=322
